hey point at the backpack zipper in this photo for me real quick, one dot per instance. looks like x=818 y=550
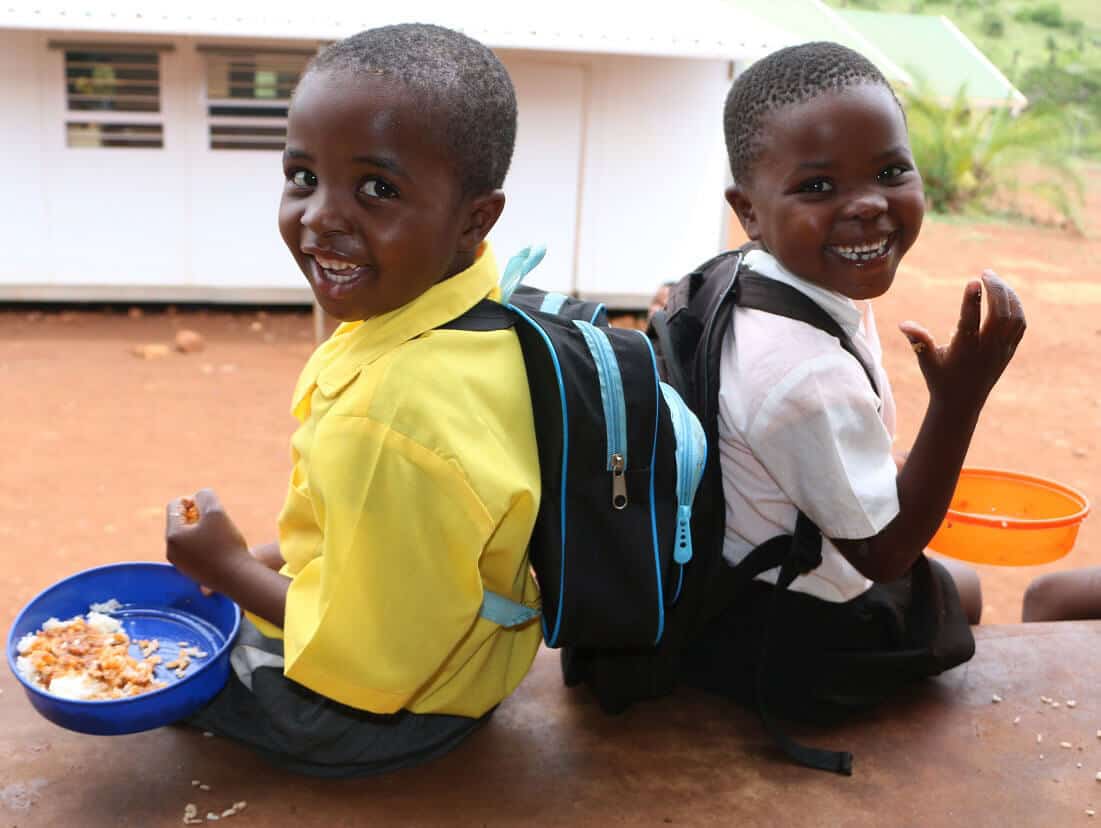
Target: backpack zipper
x=691 y=457
x=615 y=410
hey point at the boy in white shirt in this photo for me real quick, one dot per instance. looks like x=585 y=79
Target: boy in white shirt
x=825 y=184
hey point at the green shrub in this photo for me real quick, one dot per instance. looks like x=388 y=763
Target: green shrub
x=980 y=160
x=1076 y=91
x=1046 y=14
x=992 y=24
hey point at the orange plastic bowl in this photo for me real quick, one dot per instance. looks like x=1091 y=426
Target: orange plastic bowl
x=1010 y=519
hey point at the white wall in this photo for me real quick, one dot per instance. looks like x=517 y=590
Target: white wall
x=655 y=158
x=544 y=181
x=651 y=160
x=27 y=254
x=116 y=216
x=234 y=202
x=618 y=169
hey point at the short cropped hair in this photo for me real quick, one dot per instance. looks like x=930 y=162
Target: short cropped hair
x=457 y=78
x=785 y=77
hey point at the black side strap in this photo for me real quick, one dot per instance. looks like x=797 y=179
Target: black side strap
x=802 y=552
x=759 y=293
x=659 y=323
x=487 y=315
x=805 y=554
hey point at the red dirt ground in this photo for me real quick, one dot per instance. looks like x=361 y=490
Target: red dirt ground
x=97 y=440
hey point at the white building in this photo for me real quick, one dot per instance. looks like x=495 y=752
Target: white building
x=146 y=138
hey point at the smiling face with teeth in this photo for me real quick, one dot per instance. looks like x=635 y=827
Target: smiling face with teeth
x=835 y=194
x=372 y=208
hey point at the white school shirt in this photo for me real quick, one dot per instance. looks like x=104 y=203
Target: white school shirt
x=800 y=424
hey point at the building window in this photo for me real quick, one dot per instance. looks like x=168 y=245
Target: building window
x=112 y=95
x=248 y=92
x=85 y=134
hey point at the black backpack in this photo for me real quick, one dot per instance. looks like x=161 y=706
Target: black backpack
x=620 y=457
x=689 y=333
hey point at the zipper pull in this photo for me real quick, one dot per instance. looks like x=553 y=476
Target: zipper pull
x=682 y=539
x=619 y=482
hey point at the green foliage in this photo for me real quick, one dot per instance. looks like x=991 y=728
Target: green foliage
x=992 y=24
x=1032 y=53
x=983 y=160
x=1078 y=86
x=1074 y=91
x=1046 y=14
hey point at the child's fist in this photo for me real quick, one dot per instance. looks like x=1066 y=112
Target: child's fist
x=202 y=542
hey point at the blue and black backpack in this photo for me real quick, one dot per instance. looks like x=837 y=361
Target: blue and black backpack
x=620 y=458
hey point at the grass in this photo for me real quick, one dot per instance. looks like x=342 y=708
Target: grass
x=1021 y=44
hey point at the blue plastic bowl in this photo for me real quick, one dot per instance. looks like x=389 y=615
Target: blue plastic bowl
x=157 y=602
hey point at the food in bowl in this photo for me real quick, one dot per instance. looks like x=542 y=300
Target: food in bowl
x=88 y=658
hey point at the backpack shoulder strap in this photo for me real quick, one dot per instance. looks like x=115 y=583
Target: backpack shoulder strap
x=759 y=293
x=559 y=304
x=487 y=315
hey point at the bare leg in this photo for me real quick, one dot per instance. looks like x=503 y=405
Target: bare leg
x=967 y=582
x=1064 y=596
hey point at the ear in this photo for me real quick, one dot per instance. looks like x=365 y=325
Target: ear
x=481 y=214
x=739 y=201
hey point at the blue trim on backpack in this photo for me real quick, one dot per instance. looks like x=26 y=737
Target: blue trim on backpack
x=519 y=266
x=504 y=611
x=601 y=308
x=552 y=638
x=653 y=505
x=553 y=302
x=680 y=583
x=691 y=458
x=611 y=390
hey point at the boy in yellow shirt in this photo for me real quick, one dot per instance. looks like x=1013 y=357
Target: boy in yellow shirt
x=415 y=482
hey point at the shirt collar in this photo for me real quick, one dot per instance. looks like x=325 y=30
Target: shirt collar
x=843 y=309
x=354 y=345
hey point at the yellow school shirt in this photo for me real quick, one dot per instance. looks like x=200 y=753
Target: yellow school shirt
x=415 y=482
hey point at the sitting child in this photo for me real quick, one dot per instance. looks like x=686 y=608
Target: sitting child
x=825 y=184
x=415 y=479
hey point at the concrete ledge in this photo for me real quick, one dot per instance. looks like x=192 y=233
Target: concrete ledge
x=945 y=755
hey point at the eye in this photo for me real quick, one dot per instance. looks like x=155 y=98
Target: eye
x=887 y=174
x=302 y=178
x=378 y=188
x=816 y=186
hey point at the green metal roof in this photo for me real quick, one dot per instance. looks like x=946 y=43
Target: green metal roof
x=932 y=49
x=811 y=20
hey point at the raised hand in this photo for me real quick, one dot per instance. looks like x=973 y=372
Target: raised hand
x=206 y=546
x=965 y=370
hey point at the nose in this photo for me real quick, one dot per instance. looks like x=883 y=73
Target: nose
x=324 y=215
x=866 y=204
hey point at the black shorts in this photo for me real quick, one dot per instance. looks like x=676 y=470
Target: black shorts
x=303 y=731
x=824 y=659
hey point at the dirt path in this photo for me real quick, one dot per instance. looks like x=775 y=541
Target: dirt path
x=96 y=440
